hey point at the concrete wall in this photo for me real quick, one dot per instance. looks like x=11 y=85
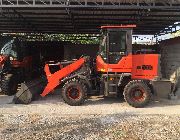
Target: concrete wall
x=73 y=51
x=170 y=59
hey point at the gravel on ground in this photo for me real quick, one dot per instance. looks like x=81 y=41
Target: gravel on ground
x=99 y=118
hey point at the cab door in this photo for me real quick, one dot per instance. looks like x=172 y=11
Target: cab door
x=116 y=47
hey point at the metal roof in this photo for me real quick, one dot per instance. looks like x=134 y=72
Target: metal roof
x=119 y=26
x=86 y=16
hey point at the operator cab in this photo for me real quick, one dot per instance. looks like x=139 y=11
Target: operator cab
x=15 y=50
x=7 y=48
x=116 y=42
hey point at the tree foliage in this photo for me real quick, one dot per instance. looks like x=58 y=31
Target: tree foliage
x=176 y=34
x=73 y=38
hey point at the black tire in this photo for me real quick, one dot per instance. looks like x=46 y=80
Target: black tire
x=137 y=93
x=9 y=84
x=87 y=87
x=74 y=92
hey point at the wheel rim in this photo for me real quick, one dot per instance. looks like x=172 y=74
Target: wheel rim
x=138 y=95
x=73 y=93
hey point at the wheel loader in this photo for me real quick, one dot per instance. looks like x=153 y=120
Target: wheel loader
x=15 y=65
x=116 y=71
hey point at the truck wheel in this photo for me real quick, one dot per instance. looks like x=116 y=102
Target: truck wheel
x=9 y=84
x=74 y=92
x=137 y=94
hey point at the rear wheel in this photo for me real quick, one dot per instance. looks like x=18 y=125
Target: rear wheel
x=137 y=93
x=9 y=84
x=74 y=92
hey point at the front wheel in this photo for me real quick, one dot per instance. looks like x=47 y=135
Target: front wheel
x=74 y=92
x=137 y=93
x=9 y=84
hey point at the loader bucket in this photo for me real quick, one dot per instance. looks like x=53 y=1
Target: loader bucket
x=30 y=91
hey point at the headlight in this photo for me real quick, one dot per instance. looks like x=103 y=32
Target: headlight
x=11 y=58
x=102 y=70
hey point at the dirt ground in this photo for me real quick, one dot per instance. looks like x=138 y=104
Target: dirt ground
x=99 y=118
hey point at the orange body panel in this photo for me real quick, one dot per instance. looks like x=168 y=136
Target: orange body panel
x=3 y=58
x=145 y=66
x=125 y=65
x=54 y=79
x=141 y=66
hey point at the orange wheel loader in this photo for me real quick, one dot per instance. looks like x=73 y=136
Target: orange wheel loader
x=116 y=71
x=18 y=61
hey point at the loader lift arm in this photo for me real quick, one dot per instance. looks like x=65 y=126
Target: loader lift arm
x=55 y=79
x=43 y=86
